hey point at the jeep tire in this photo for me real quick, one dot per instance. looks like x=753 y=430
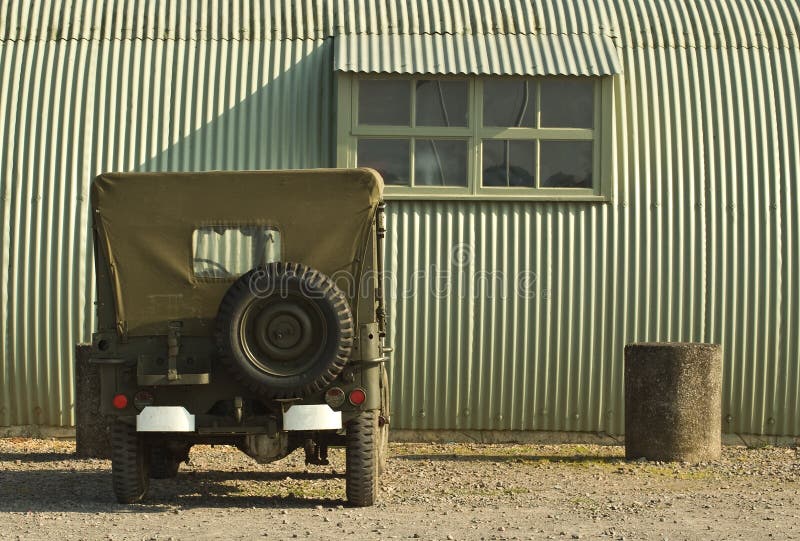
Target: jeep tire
x=129 y=464
x=362 y=456
x=284 y=330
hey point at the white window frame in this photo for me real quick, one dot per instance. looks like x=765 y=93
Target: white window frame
x=349 y=131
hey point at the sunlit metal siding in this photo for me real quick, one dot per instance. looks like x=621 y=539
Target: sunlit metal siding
x=483 y=356
x=82 y=107
x=700 y=243
x=256 y=19
x=177 y=19
x=753 y=240
x=486 y=357
x=508 y=54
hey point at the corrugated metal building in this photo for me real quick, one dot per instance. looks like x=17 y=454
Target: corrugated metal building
x=670 y=213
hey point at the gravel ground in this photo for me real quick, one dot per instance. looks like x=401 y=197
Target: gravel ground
x=431 y=491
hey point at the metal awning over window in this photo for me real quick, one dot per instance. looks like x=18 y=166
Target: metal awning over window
x=501 y=54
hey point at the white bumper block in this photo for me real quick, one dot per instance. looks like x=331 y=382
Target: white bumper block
x=165 y=419
x=312 y=417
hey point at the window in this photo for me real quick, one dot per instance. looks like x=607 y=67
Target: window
x=226 y=252
x=488 y=137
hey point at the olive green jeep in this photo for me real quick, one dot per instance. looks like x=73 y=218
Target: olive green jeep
x=241 y=308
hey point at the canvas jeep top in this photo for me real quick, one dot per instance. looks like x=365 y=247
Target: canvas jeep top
x=241 y=308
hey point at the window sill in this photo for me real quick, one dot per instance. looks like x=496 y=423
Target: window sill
x=391 y=194
x=495 y=197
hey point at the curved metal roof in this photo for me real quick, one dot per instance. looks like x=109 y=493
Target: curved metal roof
x=658 y=23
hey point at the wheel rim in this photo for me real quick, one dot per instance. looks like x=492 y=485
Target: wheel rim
x=283 y=336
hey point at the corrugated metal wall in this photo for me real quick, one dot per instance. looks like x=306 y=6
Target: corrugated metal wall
x=701 y=242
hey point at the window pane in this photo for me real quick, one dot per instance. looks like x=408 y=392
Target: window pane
x=389 y=156
x=567 y=103
x=509 y=163
x=384 y=102
x=441 y=103
x=566 y=164
x=509 y=102
x=440 y=162
x=228 y=251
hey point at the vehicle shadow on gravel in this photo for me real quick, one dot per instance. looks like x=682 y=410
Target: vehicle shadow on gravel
x=262 y=475
x=89 y=491
x=34 y=457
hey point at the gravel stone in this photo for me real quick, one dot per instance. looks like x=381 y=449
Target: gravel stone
x=448 y=491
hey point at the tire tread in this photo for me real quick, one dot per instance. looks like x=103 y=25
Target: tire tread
x=361 y=457
x=128 y=464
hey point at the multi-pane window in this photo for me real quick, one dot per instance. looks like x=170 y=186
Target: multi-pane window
x=421 y=129
x=538 y=112
x=478 y=136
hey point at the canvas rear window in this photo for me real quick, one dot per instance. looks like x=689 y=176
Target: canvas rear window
x=227 y=251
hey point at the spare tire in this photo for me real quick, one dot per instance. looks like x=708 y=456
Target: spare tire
x=284 y=330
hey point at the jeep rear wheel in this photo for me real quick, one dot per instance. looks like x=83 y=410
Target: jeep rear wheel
x=284 y=330
x=362 y=457
x=129 y=464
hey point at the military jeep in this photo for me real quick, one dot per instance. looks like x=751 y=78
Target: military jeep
x=241 y=308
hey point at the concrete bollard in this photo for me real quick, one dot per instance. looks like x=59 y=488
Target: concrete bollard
x=673 y=401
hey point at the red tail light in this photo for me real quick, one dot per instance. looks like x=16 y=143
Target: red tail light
x=357 y=397
x=120 y=401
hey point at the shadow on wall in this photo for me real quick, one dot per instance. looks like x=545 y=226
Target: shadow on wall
x=121 y=105
x=287 y=123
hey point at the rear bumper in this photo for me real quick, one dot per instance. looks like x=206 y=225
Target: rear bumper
x=300 y=417
x=165 y=419
x=311 y=417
